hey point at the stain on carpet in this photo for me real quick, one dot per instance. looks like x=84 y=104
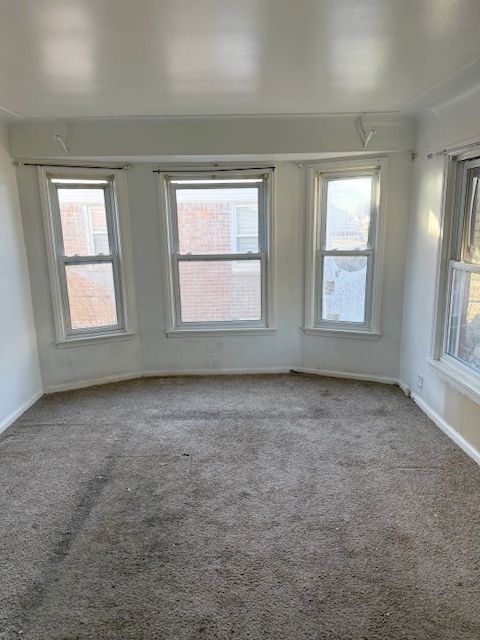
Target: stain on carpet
x=279 y=507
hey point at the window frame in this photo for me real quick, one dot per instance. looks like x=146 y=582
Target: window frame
x=119 y=257
x=319 y=174
x=453 y=229
x=265 y=255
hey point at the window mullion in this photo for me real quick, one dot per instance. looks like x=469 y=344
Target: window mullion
x=465 y=266
x=95 y=259
x=352 y=253
x=218 y=257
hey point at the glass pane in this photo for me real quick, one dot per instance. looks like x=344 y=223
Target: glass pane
x=463 y=340
x=348 y=213
x=344 y=286
x=246 y=229
x=83 y=215
x=220 y=291
x=91 y=295
x=209 y=220
x=472 y=253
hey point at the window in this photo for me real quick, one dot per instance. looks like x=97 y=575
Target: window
x=343 y=262
x=85 y=260
x=219 y=246
x=462 y=317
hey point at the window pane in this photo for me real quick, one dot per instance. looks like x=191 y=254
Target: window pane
x=217 y=291
x=100 y=242
x=348 y=213
x=246 y=244
x=472 y=253
x=83 y=215
x=207 y=220
x=464 y=322
x=344 y=285
x=246 y=220
x=91 y=295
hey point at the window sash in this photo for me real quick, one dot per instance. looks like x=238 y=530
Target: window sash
x=173 y=212
x=464 y=182
x=453 y=266
x=62 y=260
x=321 y=252
x=176 y=257
x=367 y=310
x=238 y=257
x=471 y=186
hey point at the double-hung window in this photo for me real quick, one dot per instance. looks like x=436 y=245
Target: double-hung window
x=219 y=230
x=462 y=317
x=86 y=261
x=343 y=250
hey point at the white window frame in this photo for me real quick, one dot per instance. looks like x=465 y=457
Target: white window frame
x=175 y=326
x=120 y=256
x=318 y=176
x=452 y=370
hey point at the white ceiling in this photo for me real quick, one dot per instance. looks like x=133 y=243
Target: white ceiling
x=80 y=58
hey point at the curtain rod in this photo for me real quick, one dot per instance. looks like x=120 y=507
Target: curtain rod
x=210 y=169
x=452 y=150
x=18 y=163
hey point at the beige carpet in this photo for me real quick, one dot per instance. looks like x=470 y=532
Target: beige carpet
x=249 y=507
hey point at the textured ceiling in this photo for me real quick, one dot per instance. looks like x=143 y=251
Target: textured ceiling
x=63 y=58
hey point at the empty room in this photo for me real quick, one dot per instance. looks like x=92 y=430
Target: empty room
x=240 y=319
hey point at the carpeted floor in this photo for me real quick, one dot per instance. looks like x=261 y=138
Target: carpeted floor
x=281 y=507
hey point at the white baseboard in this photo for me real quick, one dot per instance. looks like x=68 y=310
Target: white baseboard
x=216 y=372
x=346 y=374
x=447 y=428
x=406 y=389
x=10 y=419
x=92 y=382
x=82 y=384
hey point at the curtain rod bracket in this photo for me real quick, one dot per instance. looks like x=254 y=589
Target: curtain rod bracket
x=365 y=136
x=58 y=138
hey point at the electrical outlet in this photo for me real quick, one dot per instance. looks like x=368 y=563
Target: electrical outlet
x=420 y=381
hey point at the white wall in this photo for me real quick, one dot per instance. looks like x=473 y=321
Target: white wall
x=20 y=382
x=151 y=350
x=214 y=137
x=452 y=123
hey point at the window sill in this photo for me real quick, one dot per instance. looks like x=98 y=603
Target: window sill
x=205 y=333
x=457 y=378
x=96 y=339
x=342 y=333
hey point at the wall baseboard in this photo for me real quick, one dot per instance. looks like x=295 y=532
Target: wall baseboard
x=10 y=419
x=91 y=382
x=447 y=429
x=82 y=384
x=366 y=377
x=216 y=372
